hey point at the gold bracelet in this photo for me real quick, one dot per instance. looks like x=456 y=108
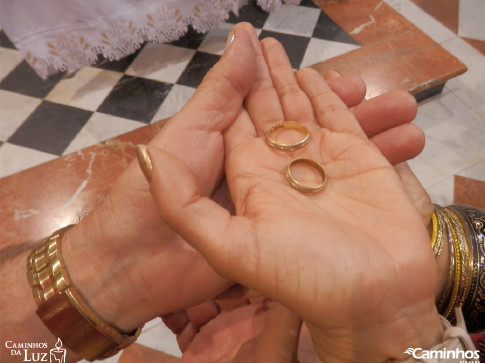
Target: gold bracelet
x=472 y=222
x=457 y=257
x=438 y=231
x=63 y=310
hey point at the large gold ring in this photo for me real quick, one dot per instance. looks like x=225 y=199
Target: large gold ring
x=305 y=188
x=288 y=125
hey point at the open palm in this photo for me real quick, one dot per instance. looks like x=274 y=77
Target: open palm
x=352 y=260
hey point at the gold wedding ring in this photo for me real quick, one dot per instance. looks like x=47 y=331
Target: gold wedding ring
x=288 y=125
x=306 y=188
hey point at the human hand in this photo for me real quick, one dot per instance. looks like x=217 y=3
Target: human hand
x=139 y=265
x=237 y=326
x=364 y=281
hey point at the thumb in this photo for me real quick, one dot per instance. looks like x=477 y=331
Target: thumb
x=202 y=222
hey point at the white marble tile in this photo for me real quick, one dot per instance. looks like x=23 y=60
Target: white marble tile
x=290 y=19
x=215 y=40
x=442 y=192
x=475 y=171
x=470 y=19
x=470 y=86
x=15 y=108
x=161 y=62
x=9 y=59
x=159 y=337
x=15 y=158
x=86 y=89
x=319 y=50
x=422 y=20
x=176 y=99
x=101 y=127
x=454 y=139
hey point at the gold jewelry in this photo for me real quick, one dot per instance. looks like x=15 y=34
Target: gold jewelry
x=305 y=188
x=63 y=310
x=288 y=125
x=438 y=232
x=455 y=251
x=471 y=222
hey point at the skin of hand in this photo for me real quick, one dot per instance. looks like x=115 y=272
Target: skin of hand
x=146 y=260
x=125 y=260
x=353 y=260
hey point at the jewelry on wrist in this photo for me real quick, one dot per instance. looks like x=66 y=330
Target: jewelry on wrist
x=464 y=227
x=62 y=308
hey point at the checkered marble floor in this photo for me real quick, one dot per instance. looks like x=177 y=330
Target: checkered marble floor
x=41 y=120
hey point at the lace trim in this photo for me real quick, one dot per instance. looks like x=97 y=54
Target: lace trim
x=121 y=34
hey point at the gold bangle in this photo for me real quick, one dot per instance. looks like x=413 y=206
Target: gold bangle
x=63 y=310
x=288 y=125
x=472 y=224
x=455 y=251
x=438 y=231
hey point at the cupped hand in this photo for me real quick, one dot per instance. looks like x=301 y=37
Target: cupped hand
x=352 y=260
x=152 y=271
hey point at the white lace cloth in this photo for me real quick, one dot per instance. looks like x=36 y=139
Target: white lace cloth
x=65 y=35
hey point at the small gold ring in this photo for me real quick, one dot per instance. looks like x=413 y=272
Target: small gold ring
x=305 y=188
x=288 y=125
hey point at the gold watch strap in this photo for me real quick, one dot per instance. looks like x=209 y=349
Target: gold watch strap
x=63 y=310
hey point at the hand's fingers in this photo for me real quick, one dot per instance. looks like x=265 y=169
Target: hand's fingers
x=278 y=340
x=200 y=314
x=195 y=132
x=350 y=89
x=219 y=97
x=176 y=321
x=385 y=111
x=186 y=336
x=296 y=105
x=400 y=143
x=330 y=111
x=262 y=101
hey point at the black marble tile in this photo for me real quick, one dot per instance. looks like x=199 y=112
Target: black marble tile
x=308 y=3
x=197 y=68
x=5 y=41
x=120 y=65
x=295 y=46
x=23 y=79
x=135 y=98
x=250 y=13
x=327 y=29
x=192 y=39
x=50 y=128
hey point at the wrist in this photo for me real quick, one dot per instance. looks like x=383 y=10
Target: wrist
x=417 y=327
x=94 y=258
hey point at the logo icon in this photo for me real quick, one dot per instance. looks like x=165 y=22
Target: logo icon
x=410 y=351
x=58 y=354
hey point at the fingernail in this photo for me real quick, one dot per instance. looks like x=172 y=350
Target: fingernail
x=230 y=39
x=144 y=161
x=330 y=74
